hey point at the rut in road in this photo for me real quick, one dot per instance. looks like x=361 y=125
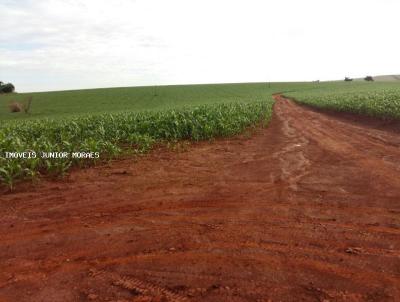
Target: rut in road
x=293 y=162
x=305 y=210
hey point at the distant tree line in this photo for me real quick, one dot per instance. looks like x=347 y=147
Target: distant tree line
x=6 y=87
x=367 y=78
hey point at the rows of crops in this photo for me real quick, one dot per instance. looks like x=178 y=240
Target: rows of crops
x=215 y=111
x=380 y=100
x=63 y=104
x=111 y=134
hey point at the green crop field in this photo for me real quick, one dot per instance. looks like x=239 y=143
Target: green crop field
x=62 y=104
x=100 y=124
x=105 y=134
x=380 y=99
x=106 y=122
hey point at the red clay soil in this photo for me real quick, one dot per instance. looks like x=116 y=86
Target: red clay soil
x=306 y=210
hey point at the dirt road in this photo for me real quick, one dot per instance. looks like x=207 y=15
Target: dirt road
x=306 y=210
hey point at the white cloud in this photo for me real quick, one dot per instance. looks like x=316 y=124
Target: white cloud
x=71 y=44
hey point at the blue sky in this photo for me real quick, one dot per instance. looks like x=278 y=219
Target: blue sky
x=74 y=44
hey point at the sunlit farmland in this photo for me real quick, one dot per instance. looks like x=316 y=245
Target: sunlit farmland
x=109 y=122
x=60 y=104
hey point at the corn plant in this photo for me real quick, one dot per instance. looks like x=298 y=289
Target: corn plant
x=111 y=134
x=378 y=100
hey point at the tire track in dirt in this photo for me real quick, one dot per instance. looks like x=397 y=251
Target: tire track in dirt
x=375 y=150
x=291 y=158
x=149 y=290
x=306 y=210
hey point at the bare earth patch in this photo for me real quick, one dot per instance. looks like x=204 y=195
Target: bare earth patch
x=306 y=210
